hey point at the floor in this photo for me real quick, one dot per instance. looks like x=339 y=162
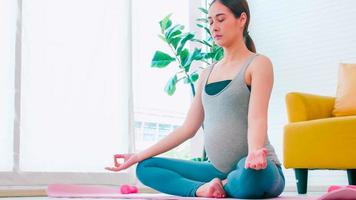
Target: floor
x=284 y=196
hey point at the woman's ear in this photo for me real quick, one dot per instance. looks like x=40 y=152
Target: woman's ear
x=243 y=19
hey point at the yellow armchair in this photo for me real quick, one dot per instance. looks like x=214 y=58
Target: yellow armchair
x=314 y=139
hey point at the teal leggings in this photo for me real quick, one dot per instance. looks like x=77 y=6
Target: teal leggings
x=184 y=177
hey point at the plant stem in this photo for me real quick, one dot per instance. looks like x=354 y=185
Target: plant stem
x=193 y=89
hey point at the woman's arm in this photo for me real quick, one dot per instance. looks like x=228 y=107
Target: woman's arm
x=189 y=128
x=262 y=83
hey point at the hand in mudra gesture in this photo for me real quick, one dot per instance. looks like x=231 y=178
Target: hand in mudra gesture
x=129 y=160
x=257 y=159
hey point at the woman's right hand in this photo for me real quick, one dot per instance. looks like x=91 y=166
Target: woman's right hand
x=129 y=160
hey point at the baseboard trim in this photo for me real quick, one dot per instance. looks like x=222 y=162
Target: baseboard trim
x=23 y=193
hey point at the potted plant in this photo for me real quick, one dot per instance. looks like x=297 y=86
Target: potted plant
x=181 y=57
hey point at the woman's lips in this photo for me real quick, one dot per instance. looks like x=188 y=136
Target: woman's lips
x=218 y=37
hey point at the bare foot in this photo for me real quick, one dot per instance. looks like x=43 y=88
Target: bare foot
x=224 y=182
x=213 y=189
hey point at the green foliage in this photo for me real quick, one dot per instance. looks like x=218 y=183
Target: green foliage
x=171 y=85
x=175 y=37
x=161 y=59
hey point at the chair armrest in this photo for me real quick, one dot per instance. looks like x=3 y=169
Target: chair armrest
x=303 y=106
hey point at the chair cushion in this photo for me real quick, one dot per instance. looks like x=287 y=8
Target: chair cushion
x=345 y=103
x=322 y=143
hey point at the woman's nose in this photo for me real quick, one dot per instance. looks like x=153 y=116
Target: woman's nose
x=214 y=27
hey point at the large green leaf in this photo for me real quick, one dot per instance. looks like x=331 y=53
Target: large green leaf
x=161 y=59
x=205 y=20
x=187 y=36
x=174 y=35
x=210 y=39
x=196 y=55
x=207 y=43
x=174 y=41
x=173 y=31
x=200 y=26
x=183 y=56
x=208 y=55
x=218 y=54
x=171 y=85
x=192 y=78
x=205 y=28
x=202 y=42
x=165 y=23
x=205 y=11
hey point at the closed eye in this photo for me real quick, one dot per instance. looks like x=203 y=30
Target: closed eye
x=219 y=20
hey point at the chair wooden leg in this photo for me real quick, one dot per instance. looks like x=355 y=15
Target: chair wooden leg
x=301 y=175
x=351 y=175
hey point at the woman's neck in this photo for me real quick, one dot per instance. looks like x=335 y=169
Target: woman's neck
x=235 y=52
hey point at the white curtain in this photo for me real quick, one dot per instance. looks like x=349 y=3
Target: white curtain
x=306 y=41
x=75 y=84
x=7 y=65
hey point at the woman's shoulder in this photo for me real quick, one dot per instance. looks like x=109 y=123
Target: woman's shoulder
x=260 y=65
x=206 y=70
x=263 y=59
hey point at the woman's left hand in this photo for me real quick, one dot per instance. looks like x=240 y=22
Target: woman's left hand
x=257 y=159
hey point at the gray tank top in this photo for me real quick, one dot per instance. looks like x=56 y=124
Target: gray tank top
x=225 y=122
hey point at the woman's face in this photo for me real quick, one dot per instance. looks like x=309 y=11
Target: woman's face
x=224 y=27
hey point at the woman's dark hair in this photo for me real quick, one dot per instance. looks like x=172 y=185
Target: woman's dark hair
x=237 y=7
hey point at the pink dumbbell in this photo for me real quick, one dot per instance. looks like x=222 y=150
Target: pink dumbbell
x=128 y=189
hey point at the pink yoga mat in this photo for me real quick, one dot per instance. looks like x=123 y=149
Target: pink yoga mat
x=344 y=193
x=94 y=191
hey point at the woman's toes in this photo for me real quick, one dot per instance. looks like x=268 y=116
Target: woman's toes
x=218 y=190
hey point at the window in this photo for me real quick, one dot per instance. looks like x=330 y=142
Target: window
x=73 y=104
x=155 y=112
x=164 y=130
x=149 y=131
